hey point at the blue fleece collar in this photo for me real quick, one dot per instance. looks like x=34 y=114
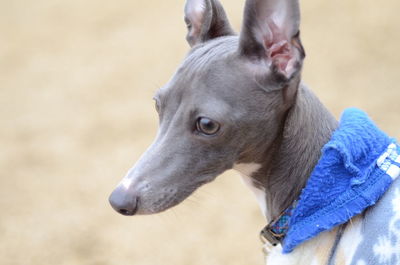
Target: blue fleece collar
x=356 y=168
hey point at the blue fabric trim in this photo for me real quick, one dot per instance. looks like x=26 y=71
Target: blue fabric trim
x=345 y=181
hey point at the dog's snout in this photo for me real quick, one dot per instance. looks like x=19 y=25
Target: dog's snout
x=123 y=201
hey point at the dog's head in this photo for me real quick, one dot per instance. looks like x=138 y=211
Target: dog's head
x=224 y=105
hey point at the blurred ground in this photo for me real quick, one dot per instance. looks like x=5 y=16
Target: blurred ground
x=76 y=82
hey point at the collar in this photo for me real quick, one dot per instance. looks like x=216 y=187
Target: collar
x=356 y=168
x=276 y=230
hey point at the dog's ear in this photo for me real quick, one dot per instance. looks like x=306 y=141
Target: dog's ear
x=205 y=20
x=270 y=35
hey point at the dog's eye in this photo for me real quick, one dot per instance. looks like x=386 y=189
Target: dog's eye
x=157 y=105
x=188 y=23
x=207 y=126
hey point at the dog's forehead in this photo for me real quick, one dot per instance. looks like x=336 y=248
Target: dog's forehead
x=206 y=54
x=209 y=69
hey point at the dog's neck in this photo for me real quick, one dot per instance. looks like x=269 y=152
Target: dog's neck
x=288 y=164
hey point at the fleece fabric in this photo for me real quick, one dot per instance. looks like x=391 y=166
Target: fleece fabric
x=356 y=168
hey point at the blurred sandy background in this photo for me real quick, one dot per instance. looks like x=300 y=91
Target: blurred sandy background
x=76 y=85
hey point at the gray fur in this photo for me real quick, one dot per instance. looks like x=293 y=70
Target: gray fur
x=266 y=115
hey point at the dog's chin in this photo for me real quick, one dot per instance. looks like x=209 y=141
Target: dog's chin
x=157 y=200
x=155 y=208
x=150 y=206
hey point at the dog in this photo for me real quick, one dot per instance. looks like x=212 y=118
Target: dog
x=329 y=189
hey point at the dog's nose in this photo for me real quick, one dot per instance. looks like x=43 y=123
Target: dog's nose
x=123 y=202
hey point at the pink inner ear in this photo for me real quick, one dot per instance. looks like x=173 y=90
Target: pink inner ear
x=279 y=50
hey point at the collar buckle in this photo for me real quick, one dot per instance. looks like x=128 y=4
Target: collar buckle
x=267 y=235
x=269 y=239
x=276 y=230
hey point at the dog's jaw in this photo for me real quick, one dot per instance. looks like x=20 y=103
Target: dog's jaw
x=246 y=170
